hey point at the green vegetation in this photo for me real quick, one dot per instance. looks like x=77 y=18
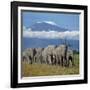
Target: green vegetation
x=45 y=70
x=76 y=52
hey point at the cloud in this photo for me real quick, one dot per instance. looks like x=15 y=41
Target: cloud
x=51 y=34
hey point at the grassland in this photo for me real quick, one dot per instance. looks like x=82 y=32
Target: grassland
x=29 y=70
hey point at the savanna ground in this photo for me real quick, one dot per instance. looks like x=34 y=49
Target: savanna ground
x=29 y=70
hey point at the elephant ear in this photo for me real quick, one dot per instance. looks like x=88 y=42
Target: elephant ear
x=70 y=52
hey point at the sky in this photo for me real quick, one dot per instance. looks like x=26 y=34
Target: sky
x=50 y=37
x=64 y=20
x=69 y=21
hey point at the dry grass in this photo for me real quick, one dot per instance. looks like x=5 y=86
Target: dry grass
x=45 y=70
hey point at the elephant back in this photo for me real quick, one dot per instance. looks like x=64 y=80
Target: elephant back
x=60 y=50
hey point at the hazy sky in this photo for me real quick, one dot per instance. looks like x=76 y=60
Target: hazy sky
x=64 y=20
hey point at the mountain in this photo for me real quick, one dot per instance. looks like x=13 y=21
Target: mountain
x=35 y=42
x=46 y=25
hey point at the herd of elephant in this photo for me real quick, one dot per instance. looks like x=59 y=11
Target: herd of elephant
x=52 y=55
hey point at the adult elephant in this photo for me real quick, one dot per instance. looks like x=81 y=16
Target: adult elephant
x=61 y=54
x=70 y=57
x=48 y=56
x=38 y=55
x=64 y=55
x=30 y=53
x=25 y=57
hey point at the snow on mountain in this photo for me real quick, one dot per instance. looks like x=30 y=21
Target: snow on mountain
x=49 y=30
x=49 y=22
x=46 y=25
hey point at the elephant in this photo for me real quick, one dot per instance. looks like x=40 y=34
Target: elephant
x=61 y=53
x=38 y=55
x=64 y=55
x=25 y=57
x=47 y=53
x=29 y=54
x=53 y=55
x=70 y=57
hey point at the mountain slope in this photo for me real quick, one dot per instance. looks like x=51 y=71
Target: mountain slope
x=40 y=26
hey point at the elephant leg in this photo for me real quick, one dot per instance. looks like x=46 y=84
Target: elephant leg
x=62 y=61
x=47 y=60
x=44 y=60
x=52 y=62
x=59 y=61
x=56 y=60
x=30 y=59
x=67 y=62
x=73 y=64
x=27 y=59
x=23 y=58
x=41 y=59
x=70 y=61
x=34 y=59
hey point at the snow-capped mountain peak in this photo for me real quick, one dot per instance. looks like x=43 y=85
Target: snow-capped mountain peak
x=48 y=22
x=46 y=25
